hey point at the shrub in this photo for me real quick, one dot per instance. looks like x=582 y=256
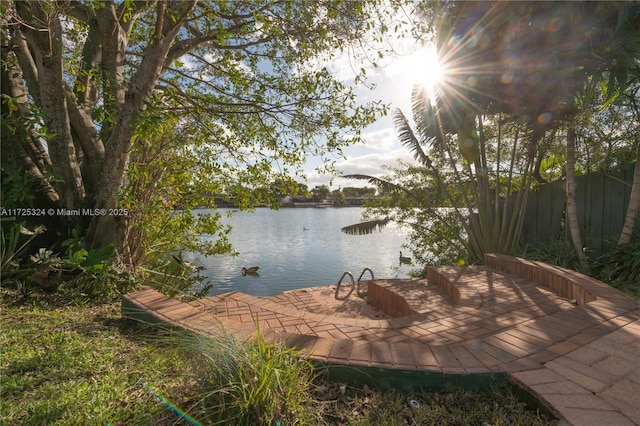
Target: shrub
x=621 y=266
x=17 y=267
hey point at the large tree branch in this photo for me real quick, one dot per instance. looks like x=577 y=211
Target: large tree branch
x=76 y=9
x=16 y=118
x=86 y=86
x=27 y=62
x=152 y=65
x=184 y=46
x=129 y=12
x=114 y=43
x=159 y=21
x=88 y=140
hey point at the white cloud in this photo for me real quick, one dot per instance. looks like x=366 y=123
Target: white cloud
x=380 y=140
x=402 y=64
x=342 y=66
x=372 y=164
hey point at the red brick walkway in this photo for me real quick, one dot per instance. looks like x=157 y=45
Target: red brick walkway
x=570 y=340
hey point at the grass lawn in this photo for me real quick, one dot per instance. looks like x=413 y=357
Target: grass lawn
x=82 y=365
x=66 y=365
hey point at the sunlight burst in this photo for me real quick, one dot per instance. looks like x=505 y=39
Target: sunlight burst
x=427 y=70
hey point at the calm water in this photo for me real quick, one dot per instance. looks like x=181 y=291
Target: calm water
x=291 y=257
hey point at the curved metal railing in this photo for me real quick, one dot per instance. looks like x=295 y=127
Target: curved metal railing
x=353 y=285
x=359 y=292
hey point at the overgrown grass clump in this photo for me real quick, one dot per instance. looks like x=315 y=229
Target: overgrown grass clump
x=244 y=383
x=620 y=267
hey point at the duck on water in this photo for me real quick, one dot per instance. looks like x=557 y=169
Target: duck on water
x=404 y=259
x=250 y=271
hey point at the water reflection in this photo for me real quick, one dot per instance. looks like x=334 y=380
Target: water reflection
x=302 y=247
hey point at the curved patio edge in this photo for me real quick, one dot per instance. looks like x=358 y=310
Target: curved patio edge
x=578 y=357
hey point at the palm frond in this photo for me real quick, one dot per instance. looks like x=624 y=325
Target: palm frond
x=408 y=138
x=365 y=228
x=424 y=116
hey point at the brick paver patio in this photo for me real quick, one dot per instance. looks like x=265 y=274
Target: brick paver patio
x=572 y=341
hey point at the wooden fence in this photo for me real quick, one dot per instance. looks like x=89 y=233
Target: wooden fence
x=602 y=201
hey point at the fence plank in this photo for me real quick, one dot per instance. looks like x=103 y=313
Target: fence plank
x=602 y=201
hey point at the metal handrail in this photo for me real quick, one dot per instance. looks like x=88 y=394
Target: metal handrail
x=361 y=294
x=353 y=285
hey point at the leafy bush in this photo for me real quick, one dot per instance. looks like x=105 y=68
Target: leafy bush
x=92 y=275
x=14 y=263
x=622 y=263
x=17 y=189
x=78 y=274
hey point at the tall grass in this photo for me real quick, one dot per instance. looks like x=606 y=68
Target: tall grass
x=86 y=365
x=254 y=382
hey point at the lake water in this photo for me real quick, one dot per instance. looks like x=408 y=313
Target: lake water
x=300 y=247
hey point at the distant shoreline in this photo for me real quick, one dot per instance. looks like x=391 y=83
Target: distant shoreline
x=291 y=206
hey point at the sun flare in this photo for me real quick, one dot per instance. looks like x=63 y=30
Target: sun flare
x=427 y=69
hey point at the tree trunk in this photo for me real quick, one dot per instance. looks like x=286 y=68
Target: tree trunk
x=634 y=205
x=110 y=226
x=572 y=208
x=19 y=150
x=47 y=55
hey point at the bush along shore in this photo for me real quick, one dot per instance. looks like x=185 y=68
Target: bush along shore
x=64 y=363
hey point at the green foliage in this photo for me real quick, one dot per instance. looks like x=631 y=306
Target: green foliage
x=14 y=262
x=486 y=46
x=253 y=382
x=411 y=198
x=320 y=193
x=17 y=190
x=456 y=210
x=174 y=276
x=564 y=70
x=359 y=192
x=622 y=264
x=79 y=274
x=558 y=252
x=174 y=170
x=90 y=276
x=13 y=245
x=239 y=94
x=608 y=137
